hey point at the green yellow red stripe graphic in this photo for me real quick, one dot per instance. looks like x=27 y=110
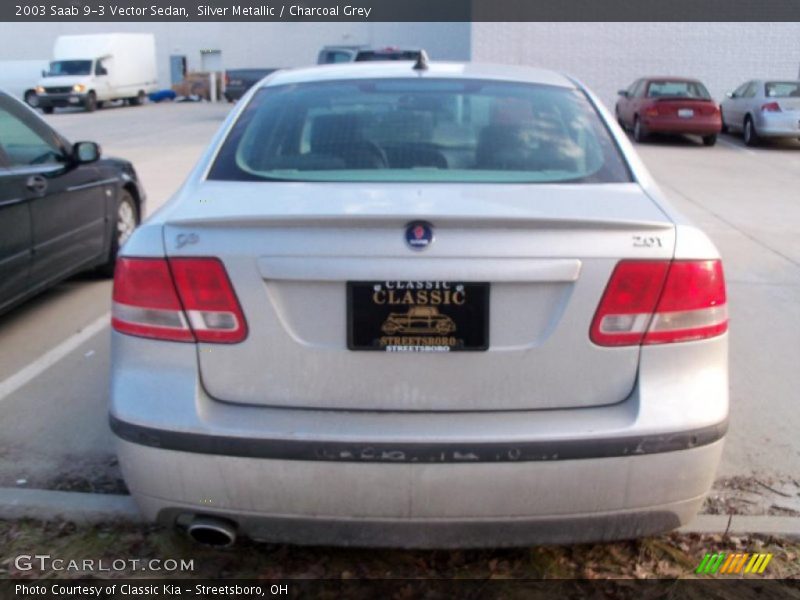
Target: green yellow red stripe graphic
x=733 y=564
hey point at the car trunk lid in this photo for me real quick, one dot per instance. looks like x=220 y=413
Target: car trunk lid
x=545 y=251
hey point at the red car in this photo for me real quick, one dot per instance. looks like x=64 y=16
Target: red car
x=669 y=105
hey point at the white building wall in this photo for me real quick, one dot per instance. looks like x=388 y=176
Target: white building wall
x=266 y=45
x=609 y=56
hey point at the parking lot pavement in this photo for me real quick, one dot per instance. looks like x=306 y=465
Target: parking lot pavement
x=747 y=201
x=54 y=355
x=55 y=429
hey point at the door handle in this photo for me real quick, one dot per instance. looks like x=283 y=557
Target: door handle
x=36 y=184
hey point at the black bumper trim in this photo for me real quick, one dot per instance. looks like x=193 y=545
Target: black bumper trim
x=416 y=453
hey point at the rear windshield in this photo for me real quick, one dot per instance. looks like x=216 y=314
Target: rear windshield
x=419 y=130
x=782 y=89
x=677 y=89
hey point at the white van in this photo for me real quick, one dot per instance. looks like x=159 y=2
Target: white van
x=88 y=70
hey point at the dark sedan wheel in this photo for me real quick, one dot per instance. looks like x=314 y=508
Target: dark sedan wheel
x=709 y=140
x=48 y=110
x=750 y=134
x=639 y=133
x=127 y=220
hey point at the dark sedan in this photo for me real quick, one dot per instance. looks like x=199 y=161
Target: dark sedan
x=238 y=81
x=63 y=208
x=669 y=105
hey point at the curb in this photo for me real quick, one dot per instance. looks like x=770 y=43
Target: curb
x=81 y=507
x=744 y=524
x=72 y=506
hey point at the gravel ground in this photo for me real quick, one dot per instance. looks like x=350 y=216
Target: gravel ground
x=668 y=556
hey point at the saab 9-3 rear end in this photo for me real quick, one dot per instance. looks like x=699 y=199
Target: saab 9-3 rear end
x=419 y=305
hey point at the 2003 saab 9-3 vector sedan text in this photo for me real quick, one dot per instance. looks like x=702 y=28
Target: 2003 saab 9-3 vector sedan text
x=271 y=377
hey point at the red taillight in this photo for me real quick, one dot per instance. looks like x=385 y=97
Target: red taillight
x=651 y=111
x=184 y=299
x=771 y=107
x=656 y=302
x=145 y=302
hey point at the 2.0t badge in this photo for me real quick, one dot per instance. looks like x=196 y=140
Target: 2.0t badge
x=419 y=235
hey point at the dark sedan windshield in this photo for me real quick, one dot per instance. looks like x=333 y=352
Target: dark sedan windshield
x=419 y=130
x=70 y=67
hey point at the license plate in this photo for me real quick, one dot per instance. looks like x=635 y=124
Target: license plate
x=685 y=113
x=417 y=316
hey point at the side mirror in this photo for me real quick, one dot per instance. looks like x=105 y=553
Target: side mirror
x=623 y=93
x=44 y=73
x=85 y=152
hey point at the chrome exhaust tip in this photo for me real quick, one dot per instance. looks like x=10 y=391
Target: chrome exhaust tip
x=211 y=531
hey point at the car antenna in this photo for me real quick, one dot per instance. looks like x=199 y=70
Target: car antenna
x=422 y=61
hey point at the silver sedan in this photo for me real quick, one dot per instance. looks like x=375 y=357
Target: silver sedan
x=420 y=305
x=763 y=109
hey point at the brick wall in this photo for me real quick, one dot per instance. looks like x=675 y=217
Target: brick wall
x=609 y=56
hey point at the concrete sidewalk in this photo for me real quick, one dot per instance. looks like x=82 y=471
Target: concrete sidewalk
x=100 y=508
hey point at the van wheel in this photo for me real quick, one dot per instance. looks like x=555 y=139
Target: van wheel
x=137 y=100
x=126 y=221
x=90 y=104
x=31 y=99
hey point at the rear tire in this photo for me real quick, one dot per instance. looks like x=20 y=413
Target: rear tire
x=137 y=100
x=126 y=221
x=722 y=118
x=48 y=110
x=749 y=133
x=639 y=133
x=709 y=140
x=90 y=104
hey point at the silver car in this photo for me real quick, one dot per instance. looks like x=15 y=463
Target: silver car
x=570 y=381
x=763 y=109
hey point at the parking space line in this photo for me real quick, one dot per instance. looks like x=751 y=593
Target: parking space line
x=728 y=144
x=37 y=367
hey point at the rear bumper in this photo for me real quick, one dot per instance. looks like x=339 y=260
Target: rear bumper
x=424 y=505
x=696 y=126
x=786 y=124
x=422 y=479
